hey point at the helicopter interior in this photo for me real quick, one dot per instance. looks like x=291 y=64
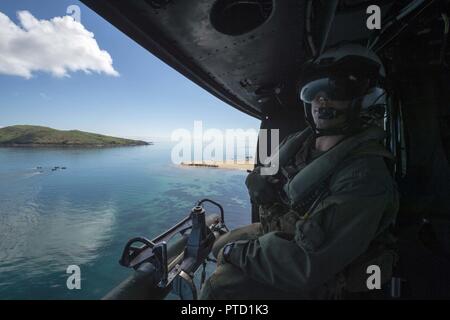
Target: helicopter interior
x=249 y=54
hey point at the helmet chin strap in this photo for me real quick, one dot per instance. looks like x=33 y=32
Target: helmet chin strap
x=350 y=126
x=329 y=113
x=331 y=132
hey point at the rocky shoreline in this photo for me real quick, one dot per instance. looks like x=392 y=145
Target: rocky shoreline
x=58 y=145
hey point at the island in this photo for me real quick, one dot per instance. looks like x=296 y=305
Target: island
x=38 y=136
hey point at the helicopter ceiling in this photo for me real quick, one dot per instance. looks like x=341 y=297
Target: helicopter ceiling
x=247 y=53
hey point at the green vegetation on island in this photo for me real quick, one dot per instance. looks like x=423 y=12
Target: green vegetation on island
x=36 y=136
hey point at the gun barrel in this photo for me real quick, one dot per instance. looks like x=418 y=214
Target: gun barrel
x=142 y=284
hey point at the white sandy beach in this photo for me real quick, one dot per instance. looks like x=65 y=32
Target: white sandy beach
x=232 y=165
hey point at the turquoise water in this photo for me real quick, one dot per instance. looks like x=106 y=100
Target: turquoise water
x=85 y=214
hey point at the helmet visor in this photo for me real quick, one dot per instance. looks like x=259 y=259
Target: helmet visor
x=334 y=88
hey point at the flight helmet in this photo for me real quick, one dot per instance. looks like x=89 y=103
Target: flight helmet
x=348 y=72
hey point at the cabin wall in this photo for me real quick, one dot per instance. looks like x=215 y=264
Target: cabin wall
x=423 y=224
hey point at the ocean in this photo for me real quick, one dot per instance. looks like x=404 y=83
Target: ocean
x=84 y=215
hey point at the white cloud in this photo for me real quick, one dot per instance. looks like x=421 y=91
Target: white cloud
x=57 y=46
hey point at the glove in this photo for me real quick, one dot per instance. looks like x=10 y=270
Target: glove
x=231 y=252
x=221 y=258
x=260 y=189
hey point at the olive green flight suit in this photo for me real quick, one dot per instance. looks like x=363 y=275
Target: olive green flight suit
x=314 y=256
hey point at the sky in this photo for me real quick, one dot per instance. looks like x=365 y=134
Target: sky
x=87 y=75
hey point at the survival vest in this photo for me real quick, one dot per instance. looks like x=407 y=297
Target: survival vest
x=303 y=191
x=300 y=192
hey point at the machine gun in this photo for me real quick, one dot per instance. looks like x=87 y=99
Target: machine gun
x=161 y=268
